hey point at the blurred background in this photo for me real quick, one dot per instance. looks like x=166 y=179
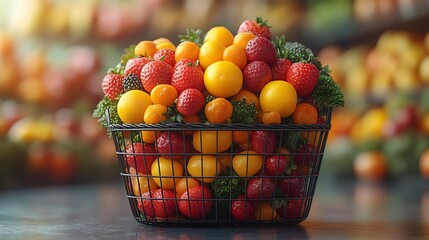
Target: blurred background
x=54 y=53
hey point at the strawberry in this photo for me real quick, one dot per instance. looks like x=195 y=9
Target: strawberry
x=291 y=186
x=165 y=55
x=196 y=202
x=275 y=165
x=303 y=77
x=112 y=85
x=305 y=156
x=159 y=203
x=135 y=65
x=172 y=145
x=190 y=102
x=241 y=209
x=263 y=141
x=262 y=187
x=280 y=68
x=154 y=73
x=294 y=209
x=255 y=75
x=259 y=28
x=261 y=49
x=187 y=75
x=137 y=157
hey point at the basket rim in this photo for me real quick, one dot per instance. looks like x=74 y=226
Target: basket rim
x=224 y=126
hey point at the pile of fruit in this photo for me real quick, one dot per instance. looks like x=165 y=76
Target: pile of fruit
x=218 y=79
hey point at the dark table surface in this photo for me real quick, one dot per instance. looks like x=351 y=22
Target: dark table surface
x=341 y=209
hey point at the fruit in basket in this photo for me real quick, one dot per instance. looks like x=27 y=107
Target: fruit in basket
x=196 y=202
x=112 y=85
x=280 y=68
x=145 y=48
x=294 y=209
x=135 y=65
x=203 y=167
x=219 y=34
x=265 y=212
x=221 y=74
x=132 y=106
x=256 y=75
x=259 y=27
x=247 y=163
x=159 y=203
x=303 y=77
x=263 y=141
x=260 y=188
x=305 y=113
x=132 y=82
x=184 y=184
x=275 y=165
x=291 y=186
x=172 y=145
x=278 y=96
x=242 y=209
x=218 y=110
x=165 y=55
x=139 y=158
x=141 y=183
x=154 y=73
x=186 y=75
x=165 y=172
x=187 y=50
x=164 y=94
x=261 y=49
x=212 y=142
x=190 y=102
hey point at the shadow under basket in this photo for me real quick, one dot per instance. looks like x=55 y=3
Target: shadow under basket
x=269 y=183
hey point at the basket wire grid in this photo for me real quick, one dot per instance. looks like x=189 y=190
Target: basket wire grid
x=293 y=205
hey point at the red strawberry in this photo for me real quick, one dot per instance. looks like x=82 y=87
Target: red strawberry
x=135 y=65
x=162 y=205
x=263 y=141
x=190 y=101
x=154 y=73
x=280 y=68
x=305 y=156
x=172 y=145
x=255 y=75
x=258 y=28
x=112 y=85
x=294 y=209
x=196 y=202
x=187 y=75
x=275 y=165
x=260 y=49
x=139 y=158
x=165 y=55
x=262 y=187
x=303 y=77
x=291 y=186
x=241 y=209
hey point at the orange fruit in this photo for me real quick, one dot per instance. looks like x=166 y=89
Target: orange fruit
x=145 y=48
x=278 y=96
x=203 y=166
x=242 y=38
x=248 y=96
x=220 y=34
x=223 y=79
x=235 y=55
x=265 y=212
x=185 y=184
x=218 y=110
x=149 y=136
x=271 y=118
x=210 y=52
x=164 y=94
x=239 y=136
x=164 y=43
x=141 y=183
x=212 y=142
x=132 y=106
x=305 y=113
x=155 y=114
x=225 y=161
x=166 y=172
x=187 y=50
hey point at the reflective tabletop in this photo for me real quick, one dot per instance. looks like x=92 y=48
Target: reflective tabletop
x=341 y=209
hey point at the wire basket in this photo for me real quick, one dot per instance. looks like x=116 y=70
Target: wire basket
x=230 y=189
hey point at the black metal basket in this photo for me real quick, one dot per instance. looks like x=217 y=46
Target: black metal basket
x=289 y=203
